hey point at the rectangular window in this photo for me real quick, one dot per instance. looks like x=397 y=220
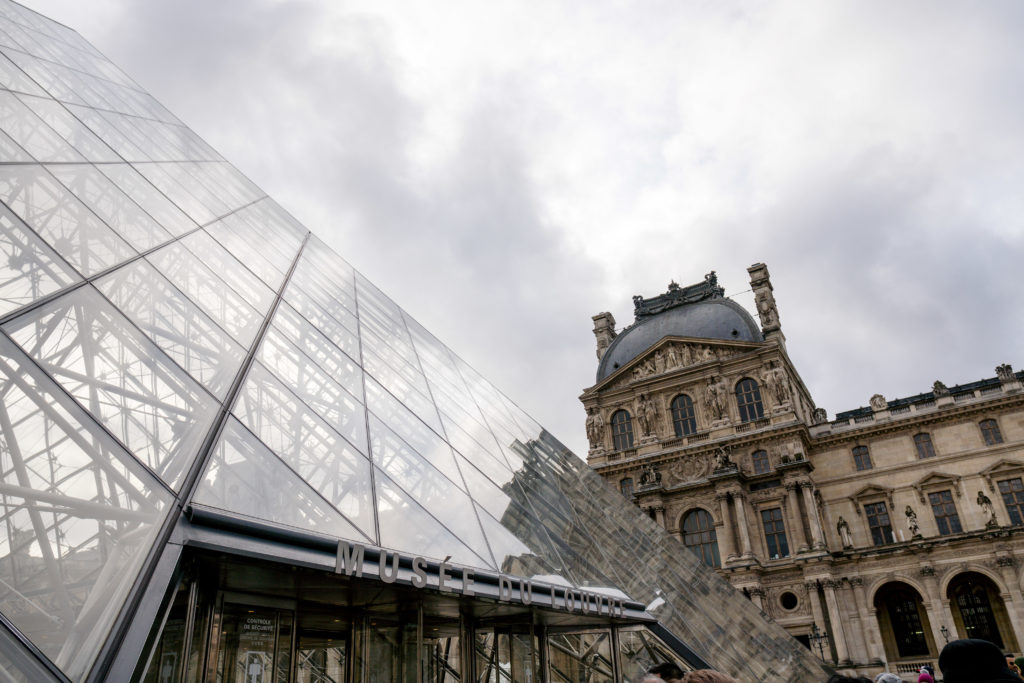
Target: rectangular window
x=861 y=458
x=761 y=464
x=944 y=509
x=1013 y=497
x=626 y=486
x=879 y=524
x=990 y=432
x=775 y=533
x=923 y=442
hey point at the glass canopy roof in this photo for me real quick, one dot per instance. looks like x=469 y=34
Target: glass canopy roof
x=170 y=336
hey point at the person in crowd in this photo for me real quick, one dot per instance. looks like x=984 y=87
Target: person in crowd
x=708 y=676
x=1011 y=664
x=668 y=672
x=887 y=677
x=971 y=660
x=924 y=677
x=839 y=678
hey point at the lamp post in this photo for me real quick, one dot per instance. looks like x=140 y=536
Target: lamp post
x=945 y=632
x=819 y=638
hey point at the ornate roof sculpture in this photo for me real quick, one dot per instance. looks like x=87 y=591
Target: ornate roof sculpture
x=677 y=296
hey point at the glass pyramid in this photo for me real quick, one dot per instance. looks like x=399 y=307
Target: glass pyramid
x=171 y=337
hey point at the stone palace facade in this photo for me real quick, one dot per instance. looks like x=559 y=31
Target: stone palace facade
x=874 y=537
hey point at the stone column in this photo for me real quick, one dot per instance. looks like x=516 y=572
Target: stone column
x=757 y=596
x=741 y=520
x=796 y=523
x=659 y=515
x=858 y=644
x=936 y=607
x=869 y=622
x=727 y=543
x=812 y=516
x=836 y=619
x=1014 y=600
x=816 y=612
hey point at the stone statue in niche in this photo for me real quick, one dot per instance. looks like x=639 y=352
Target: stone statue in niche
x=659 y=360
x=766 y=309
x=843 y=527
x=878 y=402
x=594 y=428
x=715 y=398
x=1005 y=373
x=776 y=381
x=648 y=415
x=672 y=359
x=915 y=528
x=820 y=416
x=985 y=503
x=940 y=389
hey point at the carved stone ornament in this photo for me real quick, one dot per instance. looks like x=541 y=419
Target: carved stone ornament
x=843 y=527
x=715 y=397
x=1005 y=373
x=649 y=476
x=878 y=402
x=940 y=389
x=677 y=296
x=985 y=503
x=595 y=428
x=722 y=460
x=820 y=416
x=647 y=416
x=776 y=382
x=766 y=309
x=687 y=469
x=912 y=524
x=927 y=571
x=1004 y=561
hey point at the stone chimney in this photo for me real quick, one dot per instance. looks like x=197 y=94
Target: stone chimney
x=604 y=330
x=761 y=284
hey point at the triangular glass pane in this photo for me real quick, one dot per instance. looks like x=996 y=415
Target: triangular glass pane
x=31 y=133
x=230 y=270
x=161 y=177
x=121 y=377
x=79 y=515
x=317 y=346
x=251 y=248
x=64 y=222
x=13 y=78
x=111 y=204
x=316 y=387
x=409 y=398
x=175 y=324
x=329 y=324
x=148 y=197
x=320 y=455
x=444 y=499
x=209 y=292
x=29 y=269
x=405 y=526
x=83 y=140
x=245 y=477
x=106 y=131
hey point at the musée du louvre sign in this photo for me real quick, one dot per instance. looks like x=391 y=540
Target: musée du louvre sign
x=361 y=561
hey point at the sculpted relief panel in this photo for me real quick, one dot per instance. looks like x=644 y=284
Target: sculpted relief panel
x=678 y=355
x=687 y=469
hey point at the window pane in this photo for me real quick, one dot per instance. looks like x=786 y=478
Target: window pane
x=29 y=269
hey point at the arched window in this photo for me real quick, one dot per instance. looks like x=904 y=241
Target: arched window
x=626 y=486
x=990 y=432
x=683 y=417
x=761 y=464
x=699 y=536
x=902 y=615
x=748 y=400
x=622 y=430
x=923 y=442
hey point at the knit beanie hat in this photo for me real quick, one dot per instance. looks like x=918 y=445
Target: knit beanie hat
x=974 y=661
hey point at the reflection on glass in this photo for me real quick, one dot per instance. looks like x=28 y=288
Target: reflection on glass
x=574 y=657
x=31 y=133
x=79 y=516
x=245 y=477
x=148 y=197
x=29 y=269
x=120 y=377
x=639 y=650
x=83 y=140
x=254 y=644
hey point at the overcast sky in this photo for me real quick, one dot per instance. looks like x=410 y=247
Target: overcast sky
x=507 y=170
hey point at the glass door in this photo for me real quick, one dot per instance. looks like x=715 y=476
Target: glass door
x=253 y=642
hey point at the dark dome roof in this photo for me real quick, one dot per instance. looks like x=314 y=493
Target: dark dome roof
x=709 y=319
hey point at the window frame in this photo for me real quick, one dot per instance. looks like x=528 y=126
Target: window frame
x=774 y=527
x=877 y=530
x=706 y=545
x=748 y=400
x=684 y=417
x=948 y=523
x=626 y=487
x=1013 y=499
x=924 y=445
x=862 y=458
x=622 y=430
x=761 y=461
x=990 y=432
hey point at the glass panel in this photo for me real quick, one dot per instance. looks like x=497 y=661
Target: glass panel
x=318 y=347
x=230 y=270
x=244 y=477
x=208 y=291
x=574 y=657
x=437 y=494
x=161 y=177
x=440 y=651
x=13 y=78
x=382 y=400
x=10 y=151
x=79 y=515
x=639 y=650
x=175 y=324
x=307 y=444
x=121 y=377
x=70 y=128
x=323 y=319
x=149 y=198
x=63 y=221
x=29 y=269
x=254 y=644
x=29 y=131
x=283 y=238
x=316 y=387
x=111 y=205
x=117 y=140
x=406 y=527
x=250 y=247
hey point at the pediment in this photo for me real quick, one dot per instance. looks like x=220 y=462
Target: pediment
x=1000 y=470
x=671 y=354
x=937 y=480
x=871 y=491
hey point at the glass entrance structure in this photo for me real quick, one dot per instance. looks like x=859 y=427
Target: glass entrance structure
x=226 y=455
